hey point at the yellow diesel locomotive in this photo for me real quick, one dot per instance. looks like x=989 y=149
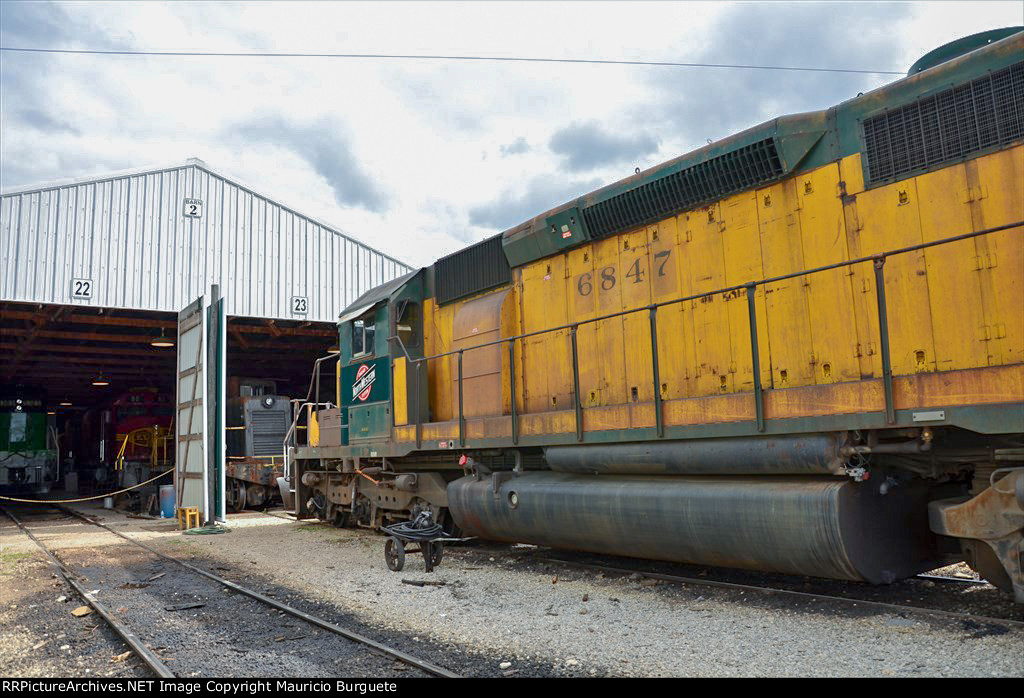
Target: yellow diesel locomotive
x=799 y=349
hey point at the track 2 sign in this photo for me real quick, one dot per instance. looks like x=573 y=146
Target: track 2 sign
x=193 y=208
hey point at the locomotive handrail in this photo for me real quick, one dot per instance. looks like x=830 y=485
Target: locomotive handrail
x=315 y=379
x=749 y=287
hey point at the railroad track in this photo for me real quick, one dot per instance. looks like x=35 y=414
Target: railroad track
x=951 y=580
x=798 y=594
x=151 y=659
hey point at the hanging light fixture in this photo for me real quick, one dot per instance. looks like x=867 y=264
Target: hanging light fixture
x=99 y=381
x=66 y=402
x=162 y=341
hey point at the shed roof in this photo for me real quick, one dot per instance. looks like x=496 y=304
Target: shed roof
x=190 y=162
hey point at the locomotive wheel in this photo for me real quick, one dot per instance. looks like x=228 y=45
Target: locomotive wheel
x=255 y=496
x=236 y=495
x=318 y=506
x=394 y=554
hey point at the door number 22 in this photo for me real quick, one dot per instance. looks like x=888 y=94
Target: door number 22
x=81 y=288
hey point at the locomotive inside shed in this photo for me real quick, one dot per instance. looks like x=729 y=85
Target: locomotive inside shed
x=103 y=381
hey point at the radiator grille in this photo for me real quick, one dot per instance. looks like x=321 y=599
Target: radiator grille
x=749 y=166
x=268 y=430
x=474 y=269
x=947 y=126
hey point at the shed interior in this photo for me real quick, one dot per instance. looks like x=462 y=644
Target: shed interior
x=97 y=368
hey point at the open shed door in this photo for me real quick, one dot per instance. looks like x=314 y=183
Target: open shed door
x=199 y=455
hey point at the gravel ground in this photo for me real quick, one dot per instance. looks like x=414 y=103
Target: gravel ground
x=230 y=635
x=506 y=604
x=978 y=600
x=233 y=634
x=506 y=611
x=38 y=635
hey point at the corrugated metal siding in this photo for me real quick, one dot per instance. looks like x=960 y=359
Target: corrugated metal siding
x=129 y=235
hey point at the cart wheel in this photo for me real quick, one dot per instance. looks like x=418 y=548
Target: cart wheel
x=394 y=554
x=436 y=553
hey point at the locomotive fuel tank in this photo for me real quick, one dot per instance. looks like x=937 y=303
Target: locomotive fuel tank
x=816 y=526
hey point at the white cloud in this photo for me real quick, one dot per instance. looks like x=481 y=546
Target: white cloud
x=424 y=136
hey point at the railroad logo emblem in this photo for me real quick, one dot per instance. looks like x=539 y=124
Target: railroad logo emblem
x=365 y=376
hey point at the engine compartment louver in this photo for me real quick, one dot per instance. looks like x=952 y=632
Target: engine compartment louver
x=947 y=126
x=268 y=431
x=749 y=166
x=471 y=270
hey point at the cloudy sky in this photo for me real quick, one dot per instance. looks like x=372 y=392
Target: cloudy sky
x=419 y=158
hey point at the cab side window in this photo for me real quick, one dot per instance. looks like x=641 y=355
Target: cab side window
x=362 y=335
x=407 y=325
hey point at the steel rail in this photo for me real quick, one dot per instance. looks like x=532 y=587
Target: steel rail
x=788 y=592
x=401 y=656
x=957 y=580
x=131 y=639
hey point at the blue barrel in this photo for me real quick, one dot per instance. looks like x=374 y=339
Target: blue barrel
x=167 y=501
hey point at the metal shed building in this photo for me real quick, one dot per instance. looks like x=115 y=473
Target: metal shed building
x=155 y=238
x=96 y=272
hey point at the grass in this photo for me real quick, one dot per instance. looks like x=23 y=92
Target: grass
x=12 y=560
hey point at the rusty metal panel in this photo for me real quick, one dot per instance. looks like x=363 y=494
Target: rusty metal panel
x=741 y=245
x=836 y=352
x=546 y=359
x=484 y=370
x=703 y=256
x=786 y=302
x=437 y=374
x=154 y=239
x=996 y=198
x=890 y=217
x=607 y=334
x=954 y=285
x=400 y=390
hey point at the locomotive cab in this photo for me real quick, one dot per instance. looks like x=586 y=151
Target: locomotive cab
x=380 y=336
